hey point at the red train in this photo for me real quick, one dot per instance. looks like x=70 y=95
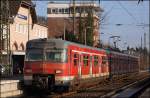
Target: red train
x=55 y=62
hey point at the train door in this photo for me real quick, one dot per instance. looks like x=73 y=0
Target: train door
x=96 y=66
x=85 y=67
x=100 y=65
x=74 y=63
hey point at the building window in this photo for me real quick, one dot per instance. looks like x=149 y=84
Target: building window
x=66 y=10
x=49 y=11
x=25 y=29
x=36 y=30
x=38 y=33
x=45 y=34
x=63 y=10
x=4 y=32
x=60 y=10
x=17 y=27
x=21 y=28
x=55 y=10
x=77 y=10
x=41 y=33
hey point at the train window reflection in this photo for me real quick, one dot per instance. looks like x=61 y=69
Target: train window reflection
x=95 y=60
x=56 y=55
x=34 y=56
x=76 y=59
x=86 y=60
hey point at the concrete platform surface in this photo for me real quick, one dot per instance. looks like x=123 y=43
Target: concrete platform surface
x=10 y=87
x=11 y=94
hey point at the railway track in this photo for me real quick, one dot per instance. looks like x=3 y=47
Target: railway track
x=106 y=88
x=100 y=89
x=134 y=90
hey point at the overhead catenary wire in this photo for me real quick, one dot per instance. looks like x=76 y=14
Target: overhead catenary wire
x=130 y=14
x=105 y=15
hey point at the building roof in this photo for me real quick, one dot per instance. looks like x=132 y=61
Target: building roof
x=14 y=7
x=15 y=4
x=84 y=4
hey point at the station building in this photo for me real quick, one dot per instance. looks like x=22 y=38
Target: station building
x=24 y=26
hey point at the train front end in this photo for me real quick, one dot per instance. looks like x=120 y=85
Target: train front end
x=45 y=61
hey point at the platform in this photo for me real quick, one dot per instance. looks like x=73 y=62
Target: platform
x=10 y=87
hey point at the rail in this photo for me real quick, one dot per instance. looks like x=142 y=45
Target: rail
x=130 y=91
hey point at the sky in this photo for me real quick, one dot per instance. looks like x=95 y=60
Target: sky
x=129 y=14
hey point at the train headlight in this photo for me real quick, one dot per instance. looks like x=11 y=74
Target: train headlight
x=58 y=71
x=28 y=71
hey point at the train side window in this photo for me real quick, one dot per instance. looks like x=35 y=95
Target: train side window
x=76 y=59
x=85 y=60
x=104 y=59
x=95 y=60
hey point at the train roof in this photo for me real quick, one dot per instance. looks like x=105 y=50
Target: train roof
x=123 y=54
x=64 y=43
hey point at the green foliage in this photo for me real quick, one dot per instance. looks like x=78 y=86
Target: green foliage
x=86 y=25
x=81 y=30
x=71 y=37
x=89 y=28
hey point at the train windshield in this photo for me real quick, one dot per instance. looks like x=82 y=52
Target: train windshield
x=34 y=55
x=58 y=55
